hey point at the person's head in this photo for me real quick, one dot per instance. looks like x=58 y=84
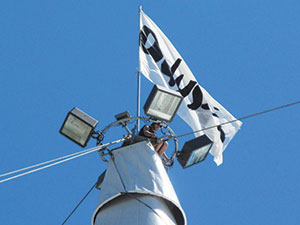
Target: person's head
x=156 y=125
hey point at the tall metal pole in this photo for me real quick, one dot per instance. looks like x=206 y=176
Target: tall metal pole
x=138 y=73
x=137 y=190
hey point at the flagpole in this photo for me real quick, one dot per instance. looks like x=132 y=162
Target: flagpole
x=138 y=73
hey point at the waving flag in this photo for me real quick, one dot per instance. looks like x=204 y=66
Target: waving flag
x=160 y=62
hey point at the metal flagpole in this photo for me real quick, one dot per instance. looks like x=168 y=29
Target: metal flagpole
x=138 y=73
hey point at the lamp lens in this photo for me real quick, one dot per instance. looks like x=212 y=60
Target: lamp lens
x=198 y=155
x=76 y=129
x=164 y=105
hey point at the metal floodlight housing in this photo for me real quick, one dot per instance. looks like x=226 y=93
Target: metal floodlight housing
x=122 y=115
x=162 y=103
x=78 y=126
x=195 y=151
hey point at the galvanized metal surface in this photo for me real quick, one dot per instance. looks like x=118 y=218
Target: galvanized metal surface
x=137 y=190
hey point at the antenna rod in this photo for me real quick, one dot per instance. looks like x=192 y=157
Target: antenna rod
x=138 y=73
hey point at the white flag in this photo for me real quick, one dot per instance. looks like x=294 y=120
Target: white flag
x=161 y=63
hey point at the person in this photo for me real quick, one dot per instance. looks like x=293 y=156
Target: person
x=159 y=146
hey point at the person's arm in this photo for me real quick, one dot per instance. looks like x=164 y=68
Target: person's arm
x=148 y=133
x=166 y=157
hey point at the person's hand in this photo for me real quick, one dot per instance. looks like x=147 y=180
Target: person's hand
x=168 y=160
x=153 y=136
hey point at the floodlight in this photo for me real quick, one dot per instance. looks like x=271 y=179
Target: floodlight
x=122 y=115
x=195 y=151
x=162 y=103
x=78 y=126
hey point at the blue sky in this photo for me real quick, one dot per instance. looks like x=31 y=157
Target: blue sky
x=55 y=55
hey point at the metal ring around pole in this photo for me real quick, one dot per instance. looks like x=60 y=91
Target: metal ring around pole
x=126 y=120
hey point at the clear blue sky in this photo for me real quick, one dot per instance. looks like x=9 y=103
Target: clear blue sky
x=55 y=55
